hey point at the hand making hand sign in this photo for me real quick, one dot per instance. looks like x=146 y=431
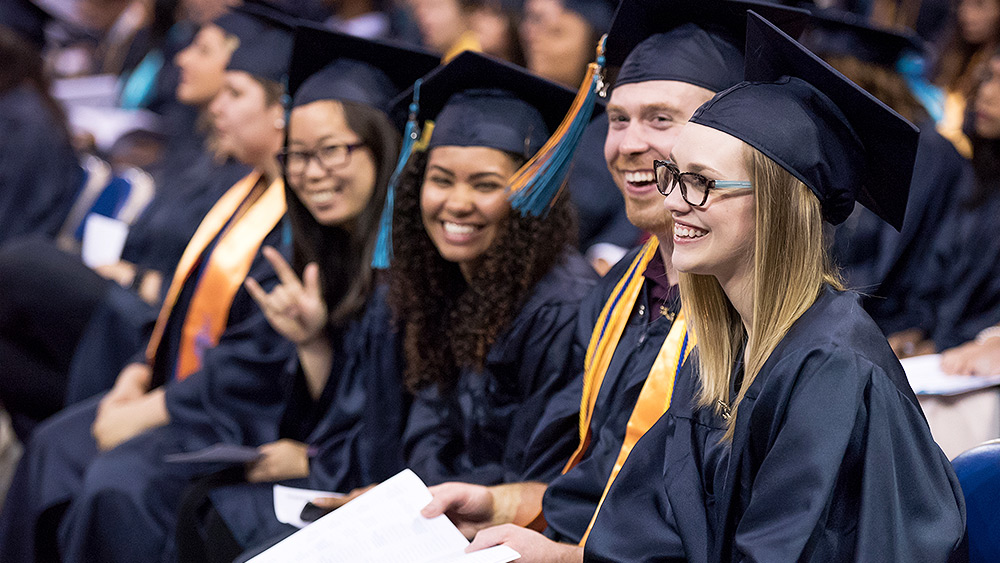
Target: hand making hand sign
x=295 y=308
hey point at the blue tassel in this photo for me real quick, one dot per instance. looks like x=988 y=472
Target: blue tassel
x=930 y=96
x=383 y=244
x=536 y=185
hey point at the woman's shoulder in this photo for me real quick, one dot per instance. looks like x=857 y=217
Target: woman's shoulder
x=566 y=283
x=834 y=335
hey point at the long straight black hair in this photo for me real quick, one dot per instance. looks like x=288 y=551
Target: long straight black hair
x=344 y=256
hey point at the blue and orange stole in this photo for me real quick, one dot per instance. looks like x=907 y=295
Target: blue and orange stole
x=237 y=225
x=654 y=398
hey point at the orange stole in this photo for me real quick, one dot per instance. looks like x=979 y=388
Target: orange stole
x=227 y=267
x=654 y=398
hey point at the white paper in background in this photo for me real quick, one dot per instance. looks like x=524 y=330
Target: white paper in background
x=926 y=377
x=103 y=240
x=107 y=125
x=94 y=90
x=289 y=502
x=383 y=525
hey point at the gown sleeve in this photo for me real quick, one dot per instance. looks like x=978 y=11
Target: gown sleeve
x=358 y=439
x=847 y=469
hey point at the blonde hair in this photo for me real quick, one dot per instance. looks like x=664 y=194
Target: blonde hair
x=790 y=266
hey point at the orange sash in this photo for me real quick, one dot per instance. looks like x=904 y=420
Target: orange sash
x=654 y=398
x=222 y=276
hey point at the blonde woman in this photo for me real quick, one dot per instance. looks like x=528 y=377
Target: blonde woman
x=797 y=438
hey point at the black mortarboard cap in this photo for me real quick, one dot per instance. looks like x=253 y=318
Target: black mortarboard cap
x=597 y=13
x=265 y=41
x=478 y=100
x=26 y=19
x=835 y=32
x=695 y=41
x=840 y=141
x=327 y=65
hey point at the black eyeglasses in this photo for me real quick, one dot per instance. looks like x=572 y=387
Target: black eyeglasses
x=330 y=157
x=694 y=187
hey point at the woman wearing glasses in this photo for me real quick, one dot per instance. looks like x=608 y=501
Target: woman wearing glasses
x=342 y=421
x=794 y=435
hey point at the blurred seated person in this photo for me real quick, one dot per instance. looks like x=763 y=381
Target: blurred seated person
x=48 y=297
x=974 y=35
x=960 y=295
x=559 y=37
x=445 y=26
x=40 y=173
x=876 y=260
x=207 y=315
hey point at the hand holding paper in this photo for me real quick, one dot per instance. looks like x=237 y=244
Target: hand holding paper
x=383 y=525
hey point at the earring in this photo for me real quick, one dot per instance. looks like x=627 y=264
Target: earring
x=279 y=123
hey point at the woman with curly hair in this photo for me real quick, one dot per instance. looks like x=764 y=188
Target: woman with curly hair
x=486 y=296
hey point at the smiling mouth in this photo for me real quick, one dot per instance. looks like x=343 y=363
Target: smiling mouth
x=640 y=178
x=459 y=229
x=323 y=197
x=689 y=233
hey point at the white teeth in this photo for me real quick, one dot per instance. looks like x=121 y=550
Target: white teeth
x=688 y=232
x=321 y=197
x=456 y=229
x=640 y=177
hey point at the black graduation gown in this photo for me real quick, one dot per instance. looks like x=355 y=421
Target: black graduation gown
x=130 y=483
x=476 y=432
x=831 y=460
x=40 y=174
x=571 y=499
x=160 y=234
x=358 y=437
x=64 y=302
x=961 y=291
x=890 y=266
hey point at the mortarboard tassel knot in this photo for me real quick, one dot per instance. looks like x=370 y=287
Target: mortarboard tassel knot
x=535 y=186
x=383 y=244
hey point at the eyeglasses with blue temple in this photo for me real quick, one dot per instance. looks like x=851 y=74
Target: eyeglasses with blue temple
x=694 y=186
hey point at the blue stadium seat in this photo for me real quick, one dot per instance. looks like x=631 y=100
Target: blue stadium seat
x=120 y=196
x=978 y=471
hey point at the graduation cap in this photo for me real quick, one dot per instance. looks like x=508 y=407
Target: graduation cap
x=835 y=32
x=327 y=65
x=840 y=141
x=597 y=13
x=695 y=41
x=480 y=101
x=265 y=36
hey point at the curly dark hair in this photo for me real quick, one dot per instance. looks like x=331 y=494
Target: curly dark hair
x=449 y=324
x=344 y=257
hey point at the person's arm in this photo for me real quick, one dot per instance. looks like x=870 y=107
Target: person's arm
x=474 y=507
x=976 y=357
x=297 y=311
